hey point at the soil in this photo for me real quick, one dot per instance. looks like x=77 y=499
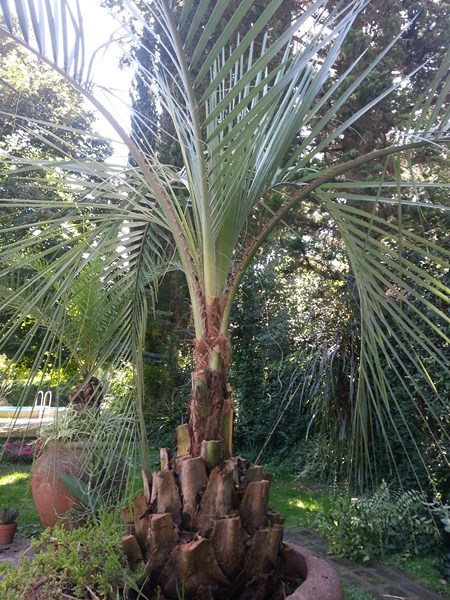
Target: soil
x=12 y=552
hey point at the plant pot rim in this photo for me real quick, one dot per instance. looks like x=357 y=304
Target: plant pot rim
x=320 y=579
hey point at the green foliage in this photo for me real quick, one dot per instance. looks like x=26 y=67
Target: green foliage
x=27 y=99
x=298 y=501
x=167 y=361
x=85 y=562
x=382 y=523
x=261 y=109
x=104 y=457
x=88 y=495
x=20 y=391
x=351 y=592
x=8 y=515
x=321 y=457
x=295 y=335
x=69 y=426
x=426 y=568
x=166 y=369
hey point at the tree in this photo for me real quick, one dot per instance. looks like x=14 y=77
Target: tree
x=34 y=94
x=295 y=340
x=42 y=118
x=236 y=109
x=79 y=322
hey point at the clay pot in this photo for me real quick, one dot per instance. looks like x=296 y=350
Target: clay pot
x=7 y=532
x=319 y=578
x=53 y=500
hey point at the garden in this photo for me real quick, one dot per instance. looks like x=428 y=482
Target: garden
x=230 y=281
x=306 y=505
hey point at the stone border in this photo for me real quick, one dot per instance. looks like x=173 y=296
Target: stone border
x=320 y=579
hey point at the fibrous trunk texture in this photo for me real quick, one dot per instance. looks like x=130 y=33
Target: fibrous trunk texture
x=87 y=393
x=209 y=399
x=202 y=528
x=210 y=406
x=206 y=532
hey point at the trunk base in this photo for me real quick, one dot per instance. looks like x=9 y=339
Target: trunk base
x=209 y=534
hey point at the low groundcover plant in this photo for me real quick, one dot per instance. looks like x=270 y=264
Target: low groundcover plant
x=87 y=562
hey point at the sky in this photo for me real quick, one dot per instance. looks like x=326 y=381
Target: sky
x=99 y=27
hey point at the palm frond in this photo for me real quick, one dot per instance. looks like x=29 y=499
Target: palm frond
x=251 y=114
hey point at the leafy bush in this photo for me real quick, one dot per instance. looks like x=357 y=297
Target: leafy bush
x=385 y=522
x=87 y=562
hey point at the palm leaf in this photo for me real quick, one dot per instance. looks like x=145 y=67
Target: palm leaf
x=236 y=104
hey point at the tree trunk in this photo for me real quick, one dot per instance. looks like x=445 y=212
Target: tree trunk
x=206 y=533
x=210 y=398
x=205 y=530
x=87 y=394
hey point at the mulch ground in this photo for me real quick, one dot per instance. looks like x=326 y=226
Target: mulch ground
x=11 y=552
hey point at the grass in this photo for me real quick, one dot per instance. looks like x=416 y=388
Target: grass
x=351 y=592
x=15 y=492
x=424 y=568
x=298 y=501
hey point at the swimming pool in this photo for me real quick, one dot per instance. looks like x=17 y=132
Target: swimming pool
x=29 y=412
x=26 y=420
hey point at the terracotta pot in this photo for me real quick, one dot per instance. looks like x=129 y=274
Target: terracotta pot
x=320 y=580
x=53 y=500
x=7 y=532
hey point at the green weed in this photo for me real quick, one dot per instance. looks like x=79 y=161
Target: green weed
x=351 y=592
x=426 y=568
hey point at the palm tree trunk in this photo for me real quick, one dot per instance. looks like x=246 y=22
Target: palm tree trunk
x=87 y=394
x=205 y=532
x=203 y=527
x=209 y=393
x=210 y=397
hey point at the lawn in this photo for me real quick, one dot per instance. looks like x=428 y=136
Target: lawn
x=15 y=491
x=298 y=502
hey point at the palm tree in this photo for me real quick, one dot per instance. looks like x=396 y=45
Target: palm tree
x=251 y=115
x=80 y=319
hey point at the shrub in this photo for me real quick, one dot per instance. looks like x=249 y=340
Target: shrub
x=388 y=521
x=87 y=562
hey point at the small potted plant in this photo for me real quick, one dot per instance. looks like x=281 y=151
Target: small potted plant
x=8 y=524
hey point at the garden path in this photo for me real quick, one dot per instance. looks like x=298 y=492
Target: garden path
x=11 y=552
x=379 y=581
